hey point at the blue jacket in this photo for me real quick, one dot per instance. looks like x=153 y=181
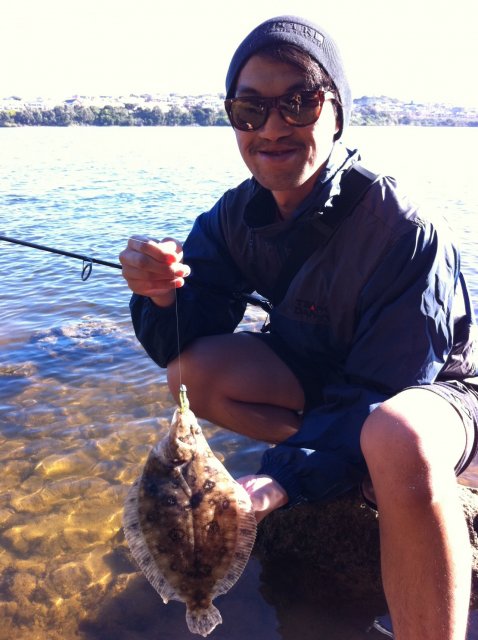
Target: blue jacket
x=380 y=307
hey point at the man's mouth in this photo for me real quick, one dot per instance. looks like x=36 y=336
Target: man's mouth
x=277 y=153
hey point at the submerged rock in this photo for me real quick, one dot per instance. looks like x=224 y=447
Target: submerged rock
x=18 y=369
x=70 y=578
x=335 y=548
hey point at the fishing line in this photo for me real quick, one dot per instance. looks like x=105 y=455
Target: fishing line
x=183 y=396
x=177 y=337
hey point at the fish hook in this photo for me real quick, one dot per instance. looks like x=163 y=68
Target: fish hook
x=183 y=399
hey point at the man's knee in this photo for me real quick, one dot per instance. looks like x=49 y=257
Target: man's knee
x=411 y=444
x=390 y=438
x=398 y=467
x=414 y=422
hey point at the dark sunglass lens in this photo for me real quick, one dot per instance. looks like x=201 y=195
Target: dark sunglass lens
x=301 y=108
x=248 y=115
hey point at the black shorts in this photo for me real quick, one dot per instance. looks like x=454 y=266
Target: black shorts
x=462 y=396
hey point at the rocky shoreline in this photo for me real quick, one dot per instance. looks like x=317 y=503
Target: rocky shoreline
x=333 y=548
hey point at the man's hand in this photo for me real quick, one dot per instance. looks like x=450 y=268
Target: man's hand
x=154 y=269
x=265 y=493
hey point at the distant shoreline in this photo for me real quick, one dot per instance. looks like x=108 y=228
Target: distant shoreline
x=207 y=110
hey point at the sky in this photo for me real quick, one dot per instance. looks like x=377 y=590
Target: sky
x=422 y=50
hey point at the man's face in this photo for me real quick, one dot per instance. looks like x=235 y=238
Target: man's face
x=283 y=158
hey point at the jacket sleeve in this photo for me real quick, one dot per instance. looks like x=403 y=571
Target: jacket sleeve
x=403 y=334
x=206 y=305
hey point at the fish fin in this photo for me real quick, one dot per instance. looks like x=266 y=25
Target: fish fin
x=139 y=548
x=247 y=530
x=203 y=621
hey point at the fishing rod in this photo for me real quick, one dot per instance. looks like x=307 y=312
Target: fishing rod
x=255 y=300
x=87 y=260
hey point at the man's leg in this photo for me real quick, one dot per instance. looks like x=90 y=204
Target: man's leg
x=238 y=382
x=411 y=444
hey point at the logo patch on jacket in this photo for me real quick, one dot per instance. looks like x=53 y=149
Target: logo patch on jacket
x=309 y=310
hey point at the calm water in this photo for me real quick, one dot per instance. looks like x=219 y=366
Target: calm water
x=80 y=403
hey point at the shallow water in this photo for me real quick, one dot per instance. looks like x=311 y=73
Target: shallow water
x=80 y=402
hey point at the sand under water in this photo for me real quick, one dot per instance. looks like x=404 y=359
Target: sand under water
x=72 y=441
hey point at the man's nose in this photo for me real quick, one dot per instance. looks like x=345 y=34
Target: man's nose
x=275 y=126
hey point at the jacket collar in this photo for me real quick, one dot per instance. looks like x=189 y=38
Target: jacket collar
x=261 y=209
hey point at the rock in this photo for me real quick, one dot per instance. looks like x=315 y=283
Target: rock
x=58 y=492
x=334 y=547
x=18 y=370
x=64 y=464
x=70 y=579
x=469 y=498
x=5 y=516
x=21 y=588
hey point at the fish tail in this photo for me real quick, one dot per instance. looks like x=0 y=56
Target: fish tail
x=203 y=621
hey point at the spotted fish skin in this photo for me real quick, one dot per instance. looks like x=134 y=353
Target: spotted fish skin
x=189 y=524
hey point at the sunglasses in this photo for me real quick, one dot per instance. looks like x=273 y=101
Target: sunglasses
x=298 y=108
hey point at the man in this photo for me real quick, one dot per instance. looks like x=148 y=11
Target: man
x=361 y=377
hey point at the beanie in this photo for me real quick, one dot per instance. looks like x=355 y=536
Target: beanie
x=304 y=35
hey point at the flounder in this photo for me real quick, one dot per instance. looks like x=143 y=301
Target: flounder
x=189 y=525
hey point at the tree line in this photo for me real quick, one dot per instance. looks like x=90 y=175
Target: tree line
x=133 y=115
x=124 y=116
x=367 y=115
